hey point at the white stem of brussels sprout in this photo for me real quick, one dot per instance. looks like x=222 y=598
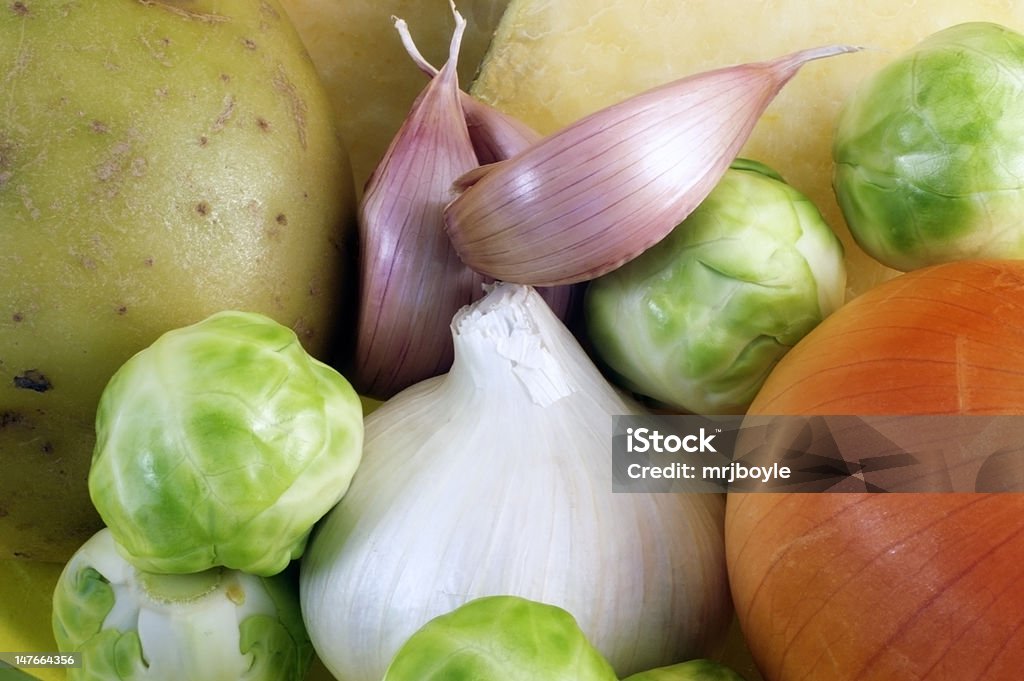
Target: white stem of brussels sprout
x=496 y=478
x=209 y=626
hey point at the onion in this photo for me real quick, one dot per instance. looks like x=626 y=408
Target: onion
x=891 y=587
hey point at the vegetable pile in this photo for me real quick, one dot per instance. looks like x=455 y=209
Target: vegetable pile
x=516 y=292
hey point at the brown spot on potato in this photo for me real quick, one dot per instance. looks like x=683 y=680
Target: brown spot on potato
x=249 y=43
x=148 y=262
x=203 y=140
x=297 y=105
x=115 y=163
x=99 y=127
x=268 y=11
x=304 y=331
x=19 y=8
x=281 y=219
x=32 y=379
x=17 y=317
x=24 y=193
x=227 y=110
x=6 y=161
x=122 y=310
x=10 y=418
x=203 y=208
x=263 y=124
x=174 y=7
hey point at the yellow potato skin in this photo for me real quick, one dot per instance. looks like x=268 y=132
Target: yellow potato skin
x=554 y=61
x=159 y=161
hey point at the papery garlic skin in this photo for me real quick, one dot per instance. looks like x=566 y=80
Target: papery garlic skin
x=495 y=135
x=496 y=478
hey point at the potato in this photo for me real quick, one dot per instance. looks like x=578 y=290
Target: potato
x=553 y=62
x=159 y=160
x=370 y=78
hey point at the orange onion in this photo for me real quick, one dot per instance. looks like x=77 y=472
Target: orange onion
x=892 y=587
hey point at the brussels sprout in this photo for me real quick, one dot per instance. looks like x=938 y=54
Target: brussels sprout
x=698 y=320
x=693 y=670
x=500 y=638
x=929 y=151
x=208 y=626
x=222 y=443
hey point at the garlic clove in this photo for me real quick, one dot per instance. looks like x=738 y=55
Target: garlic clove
x=599 y=192
x=411 y=279
x=496 y=135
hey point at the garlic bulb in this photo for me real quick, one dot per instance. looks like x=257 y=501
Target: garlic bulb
x=496 y=478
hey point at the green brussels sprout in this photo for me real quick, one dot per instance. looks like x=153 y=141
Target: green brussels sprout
x=221 y=444
x=698 y=320
x=692 y=670
x=500 y=638
x=929 y=151
x=207 y=626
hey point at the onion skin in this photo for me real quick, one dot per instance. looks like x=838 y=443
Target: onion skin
x=892 y=587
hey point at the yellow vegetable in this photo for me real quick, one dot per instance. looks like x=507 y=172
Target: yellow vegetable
x=159 y=161
x=554 y=61
x=26 y=589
